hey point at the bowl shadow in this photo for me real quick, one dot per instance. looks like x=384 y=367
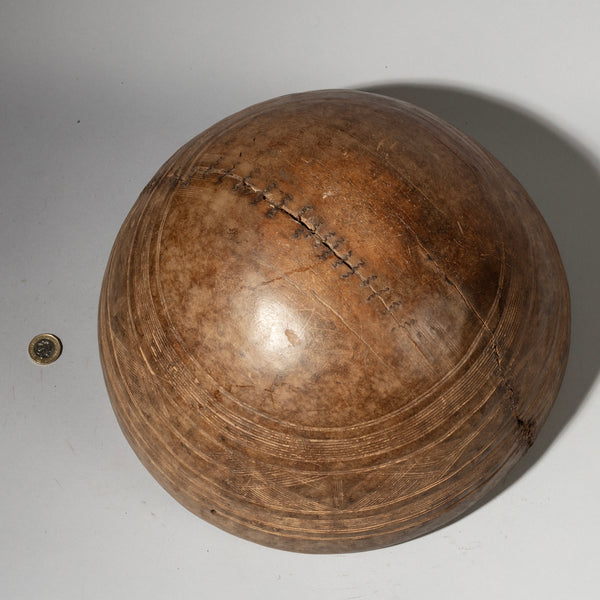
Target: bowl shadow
x=563 y=179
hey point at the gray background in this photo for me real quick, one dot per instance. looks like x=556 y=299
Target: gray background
x=94 y=96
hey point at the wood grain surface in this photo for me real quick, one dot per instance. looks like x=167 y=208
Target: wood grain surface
x=332 y=322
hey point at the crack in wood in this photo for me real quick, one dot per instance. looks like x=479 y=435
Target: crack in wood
x=310 y=224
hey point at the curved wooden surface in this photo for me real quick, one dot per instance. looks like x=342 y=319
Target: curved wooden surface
x=332 y=322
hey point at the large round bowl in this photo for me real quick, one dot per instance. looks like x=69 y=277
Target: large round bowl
x=332 y=322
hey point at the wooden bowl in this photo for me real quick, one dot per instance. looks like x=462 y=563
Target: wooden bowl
x=332 y=322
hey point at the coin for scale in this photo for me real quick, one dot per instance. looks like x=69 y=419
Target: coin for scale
x=45 y=348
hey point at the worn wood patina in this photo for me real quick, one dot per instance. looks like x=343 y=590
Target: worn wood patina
x=332 y=322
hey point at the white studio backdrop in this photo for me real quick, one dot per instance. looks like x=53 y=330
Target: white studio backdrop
x=94 y=97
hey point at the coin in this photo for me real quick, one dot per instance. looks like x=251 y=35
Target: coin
x=45 y=348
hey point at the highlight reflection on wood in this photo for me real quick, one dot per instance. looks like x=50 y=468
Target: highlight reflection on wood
x=332 y=322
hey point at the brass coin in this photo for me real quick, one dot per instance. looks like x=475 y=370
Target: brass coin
x=45 y=348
